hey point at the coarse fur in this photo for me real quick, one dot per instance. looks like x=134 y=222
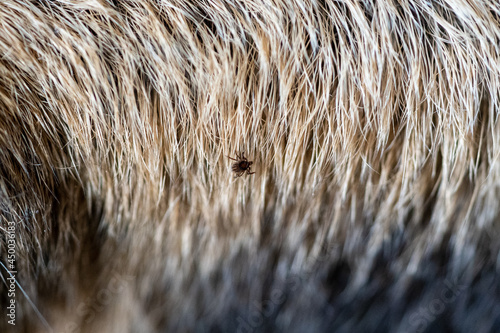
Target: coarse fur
x=374 y=131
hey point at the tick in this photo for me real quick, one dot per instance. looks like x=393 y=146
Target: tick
x=241 y=166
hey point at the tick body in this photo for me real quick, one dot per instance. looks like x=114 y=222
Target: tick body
x=242 y=165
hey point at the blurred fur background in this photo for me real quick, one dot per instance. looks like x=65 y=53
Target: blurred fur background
x=374 y=131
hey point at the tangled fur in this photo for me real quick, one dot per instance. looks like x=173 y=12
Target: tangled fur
x=373 y=127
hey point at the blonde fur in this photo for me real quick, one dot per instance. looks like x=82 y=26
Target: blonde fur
x=373 y=128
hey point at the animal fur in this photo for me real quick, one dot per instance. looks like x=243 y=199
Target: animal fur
x=373 y=127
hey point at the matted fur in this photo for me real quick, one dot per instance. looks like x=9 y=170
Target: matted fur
x=373 y=127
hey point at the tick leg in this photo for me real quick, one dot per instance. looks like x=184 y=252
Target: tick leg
x=232 y=158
